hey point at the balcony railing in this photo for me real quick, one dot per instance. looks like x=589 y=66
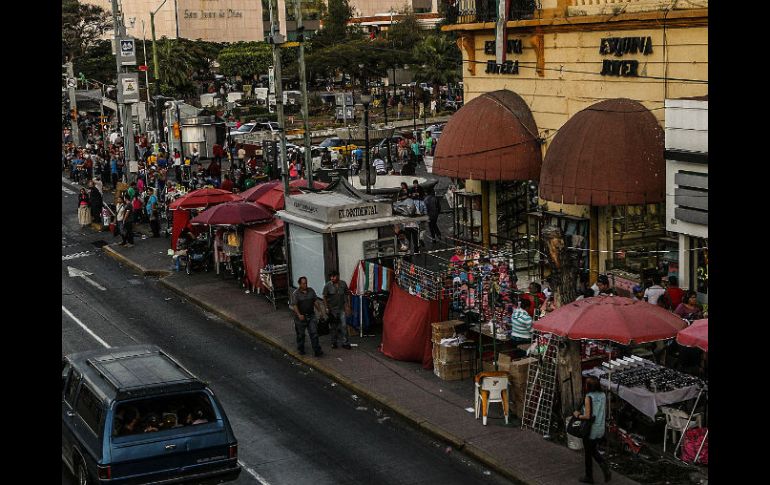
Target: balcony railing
x=473 y=11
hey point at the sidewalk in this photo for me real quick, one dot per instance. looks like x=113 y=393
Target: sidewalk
x=437 y=407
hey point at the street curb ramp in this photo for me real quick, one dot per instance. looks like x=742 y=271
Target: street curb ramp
x=127 y=262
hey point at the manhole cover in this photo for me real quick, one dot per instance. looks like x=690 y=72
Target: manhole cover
x=100 y=243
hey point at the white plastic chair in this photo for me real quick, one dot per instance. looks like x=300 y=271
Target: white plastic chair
x=491 y=387
x=676 y=421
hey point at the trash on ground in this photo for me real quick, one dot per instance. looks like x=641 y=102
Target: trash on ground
x=362 y=408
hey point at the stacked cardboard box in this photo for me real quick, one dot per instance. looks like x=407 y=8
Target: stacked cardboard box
x=447 y=363
x=518 y=371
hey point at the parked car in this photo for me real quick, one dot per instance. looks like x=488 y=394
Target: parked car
x=135 y=415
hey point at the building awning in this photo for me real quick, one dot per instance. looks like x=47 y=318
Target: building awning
x=493 y=137
x=610 y=153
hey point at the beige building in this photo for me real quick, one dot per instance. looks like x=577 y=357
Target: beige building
x=561 y=59
x=234 y=20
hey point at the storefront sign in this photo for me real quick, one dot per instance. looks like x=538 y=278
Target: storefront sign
x=334 y=208
x=512 y=46
x=620 y=46
x=625 y=45
x=507 y=67
x=357 y=212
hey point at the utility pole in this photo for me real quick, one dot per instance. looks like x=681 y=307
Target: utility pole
x=276 y=39
x=75 y=129
x=156 y=73
x=124 y=110
x=303 y=89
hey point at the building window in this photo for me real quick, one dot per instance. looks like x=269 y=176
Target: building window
x=637 y=232
x=699 y=262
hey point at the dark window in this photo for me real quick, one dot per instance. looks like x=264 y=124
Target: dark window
x=72 y=385
x=89 y=408
x=161 y=413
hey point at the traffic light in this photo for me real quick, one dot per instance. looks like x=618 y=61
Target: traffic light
x=177 y=133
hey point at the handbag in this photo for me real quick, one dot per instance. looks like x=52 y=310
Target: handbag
x=580 y=428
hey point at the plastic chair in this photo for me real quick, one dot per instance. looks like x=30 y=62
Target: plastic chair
x=676 y=421
x=490 y=387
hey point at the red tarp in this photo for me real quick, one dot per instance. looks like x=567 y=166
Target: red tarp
x=696 y=335
x=181 y=220
x=255 y=242
x=406 y=329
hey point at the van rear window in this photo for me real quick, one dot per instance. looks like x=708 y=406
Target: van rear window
x=161 y=413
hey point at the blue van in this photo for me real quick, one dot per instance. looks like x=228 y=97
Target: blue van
x=134 y=415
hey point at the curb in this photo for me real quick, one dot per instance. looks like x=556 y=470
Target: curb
x=127 y=262
x=411 y=418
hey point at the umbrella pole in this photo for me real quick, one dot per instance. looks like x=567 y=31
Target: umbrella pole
x=689 y=419
x=361 y=314
x=700 y=448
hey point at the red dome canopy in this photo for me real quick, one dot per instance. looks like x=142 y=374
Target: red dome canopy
x=610 y=153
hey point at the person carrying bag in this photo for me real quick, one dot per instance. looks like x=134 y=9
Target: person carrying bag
x=591 y=428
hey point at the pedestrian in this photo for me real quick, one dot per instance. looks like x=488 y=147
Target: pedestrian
x=337 y=299
x=416 y=151
x=84 y=208
x=95 y=202
x=654 y=292
x=690 y=309
x=400 y=108
x=671 y=299
x=128 y=224
x=292 y=171
x=303 y=305
x=120 y=215
x=227 y=184
x=521 y=323
x=602 y=286
x=416 y=192
x=241 y=156
x=429 y=145
x=152 y=212
x=594 y=407
x=433 y=207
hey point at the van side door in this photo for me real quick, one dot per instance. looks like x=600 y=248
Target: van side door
x=88 y=424
x=69 y=392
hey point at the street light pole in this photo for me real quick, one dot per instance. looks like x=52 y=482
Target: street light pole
x=276 y=39
x=156 y=73
x=124 y=109
x=366 y=99
x=74 y=128
x=414 y=108
x=303 y=88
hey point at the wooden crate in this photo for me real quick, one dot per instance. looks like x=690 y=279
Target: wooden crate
x=451 y=371
x=441 y=330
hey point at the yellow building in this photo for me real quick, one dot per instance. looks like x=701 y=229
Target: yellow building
x=563 y=60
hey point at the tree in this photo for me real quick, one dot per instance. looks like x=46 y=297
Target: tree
x=245 y=59
x=438 y=61
x=563 y=262
x=82 y=26
x=177 y=64
x=335 y=24
x=98 y=64
x=404 y=35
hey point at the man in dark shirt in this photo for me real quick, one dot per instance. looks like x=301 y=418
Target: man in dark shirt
x=303 y=305
x=337 y=301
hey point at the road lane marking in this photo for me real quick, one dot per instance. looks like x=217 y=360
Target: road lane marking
x=79 y=273
x=66 y=190
x=70 y=182
x=83 y=326
x=81 y=254
x=253 y=473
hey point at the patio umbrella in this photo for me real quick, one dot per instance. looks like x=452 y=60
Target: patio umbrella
x=696 y=335
x=232 y=213
x=252 y=194
x=614 y=318
x=203 y=198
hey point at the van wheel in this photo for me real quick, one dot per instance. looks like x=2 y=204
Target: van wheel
x=81 y=474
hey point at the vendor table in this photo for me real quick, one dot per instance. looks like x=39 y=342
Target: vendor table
x=643 y=399
x=497 y=342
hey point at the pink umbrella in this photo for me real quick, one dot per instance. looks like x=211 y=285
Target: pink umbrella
x=614 y=318
x=203 y=198
x=696 y=335
x=232 y=213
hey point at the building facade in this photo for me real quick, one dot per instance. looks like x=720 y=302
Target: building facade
x=564 y=59
x=237 y=20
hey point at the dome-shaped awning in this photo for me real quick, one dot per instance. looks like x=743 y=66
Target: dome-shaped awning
x=493 y=137
x=610 y=153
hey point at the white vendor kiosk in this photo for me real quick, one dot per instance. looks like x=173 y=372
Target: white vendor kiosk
x=330 y=230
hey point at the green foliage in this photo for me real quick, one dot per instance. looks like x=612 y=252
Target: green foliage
x=245 y=59
x=178 y=61
x=437 y=60
x=403 y=36
x=81 y=28
x=335 y=19
x=99 y=64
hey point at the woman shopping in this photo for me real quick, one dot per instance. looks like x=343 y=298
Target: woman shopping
x=594 y=407
x=84 y=209
x=690 y=309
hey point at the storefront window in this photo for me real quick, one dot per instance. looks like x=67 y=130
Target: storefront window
x=699 y=258
x=638 y=239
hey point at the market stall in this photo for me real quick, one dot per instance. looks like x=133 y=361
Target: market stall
x=196 y=200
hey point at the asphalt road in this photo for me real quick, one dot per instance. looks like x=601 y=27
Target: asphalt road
x=293 y=425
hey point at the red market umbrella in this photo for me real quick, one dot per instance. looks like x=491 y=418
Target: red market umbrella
x=696 y=335
x=252 y=194
x=232 y=213
x=203 y=198
x=614 y=318
x=302 y=184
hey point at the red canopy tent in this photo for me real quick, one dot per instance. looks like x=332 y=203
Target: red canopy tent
x=233 y=213
x=197 y=199
x=256 y=240
x=614 y=318
x=406 y=327
x=270 y=194
x=696 y=335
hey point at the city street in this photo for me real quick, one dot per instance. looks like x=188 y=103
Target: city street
x=293 y=425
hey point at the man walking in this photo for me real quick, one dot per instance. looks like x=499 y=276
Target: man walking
x=337 y=300
x=302 y=303
x=152 y=212
x=433 y=207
